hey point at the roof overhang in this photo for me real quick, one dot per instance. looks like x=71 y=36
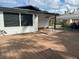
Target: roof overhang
x=25 y=11
x=68 y=16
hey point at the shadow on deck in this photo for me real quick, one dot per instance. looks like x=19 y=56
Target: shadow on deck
x=26 y=49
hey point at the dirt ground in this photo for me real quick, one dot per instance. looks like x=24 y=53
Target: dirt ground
x=40 y=45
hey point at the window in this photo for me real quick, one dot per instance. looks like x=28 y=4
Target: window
x=26 y=20
x=11 y=19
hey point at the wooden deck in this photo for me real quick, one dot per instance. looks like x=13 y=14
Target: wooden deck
x=41 y=45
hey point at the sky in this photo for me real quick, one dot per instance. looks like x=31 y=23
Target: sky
x=56 y=6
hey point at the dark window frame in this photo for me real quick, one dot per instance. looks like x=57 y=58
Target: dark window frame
x=26 y=19
x=9 y=22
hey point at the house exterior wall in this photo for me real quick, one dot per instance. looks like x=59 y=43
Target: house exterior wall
x=19 y=29
x=43 y=22
x=1 y=20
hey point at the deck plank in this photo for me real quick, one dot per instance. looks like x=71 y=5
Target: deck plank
x=40 y=46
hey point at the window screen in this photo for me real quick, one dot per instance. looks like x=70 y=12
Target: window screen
x=11 y=19
x=26 y=20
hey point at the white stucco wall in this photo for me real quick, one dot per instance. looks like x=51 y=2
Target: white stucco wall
x=42 y=21
x=19 y=29
x=1 y=20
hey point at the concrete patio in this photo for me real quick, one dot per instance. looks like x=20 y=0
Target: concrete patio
x=40 y=45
